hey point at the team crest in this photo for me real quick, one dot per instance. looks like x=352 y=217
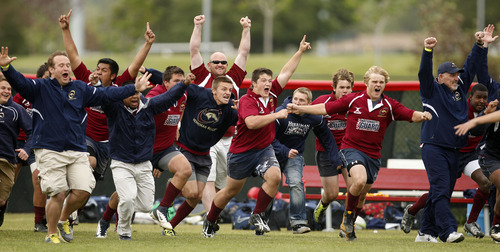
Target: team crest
x=72 y=94
x=2 y=115
x=209 y=116
x=383 y=112
x=357 y=110
x=457 y=96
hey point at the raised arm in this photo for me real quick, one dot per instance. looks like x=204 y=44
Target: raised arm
x=289 y=68
x=69 y=44
x=244 y=48
x=195 y=42
x=140 y=57
x=425 y=76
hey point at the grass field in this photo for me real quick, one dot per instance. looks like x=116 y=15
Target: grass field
x=401 y=66
x=16 y=234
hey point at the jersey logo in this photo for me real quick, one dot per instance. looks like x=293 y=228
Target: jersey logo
x=71 y=95
x=172 y=120
x=297 y=129
x=368 y=125
x=2 y=116
x=357 y=110
x=457 y=96
x=383 y=112
x=337 y=125
x=208 y=116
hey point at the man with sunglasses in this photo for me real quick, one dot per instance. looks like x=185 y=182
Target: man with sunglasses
x=217 y=66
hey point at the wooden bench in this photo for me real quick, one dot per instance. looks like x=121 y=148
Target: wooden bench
x=388 y=180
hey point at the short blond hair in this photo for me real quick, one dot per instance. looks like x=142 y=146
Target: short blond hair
x=376 y=70
x=305 y=91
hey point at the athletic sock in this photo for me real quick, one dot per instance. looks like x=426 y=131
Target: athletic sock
x=214 y=212
x=420 y=204
x=358 y=210
x=39 y=214
x=181 y=213
x=108 y=213
x=263 y=200
x=352 y=202
x=496 y=219
x=480 y=199
x=170 y=194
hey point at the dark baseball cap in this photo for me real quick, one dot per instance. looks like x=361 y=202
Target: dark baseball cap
x=449 y=67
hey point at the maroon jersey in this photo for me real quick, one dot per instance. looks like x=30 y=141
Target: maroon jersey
x=204 y=79
x=26 y=105
x=97 y=125
x=367 y=123
x=335 y=122
x=472 y=141
x=166 y=122
x=252 y=104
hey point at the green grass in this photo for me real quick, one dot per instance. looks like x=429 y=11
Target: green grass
x=401 y=66
x=17 y=234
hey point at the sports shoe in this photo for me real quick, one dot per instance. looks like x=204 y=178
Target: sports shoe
x=319 y=212
x=425 y=238
x=160 y=214
x=65 y=231
x=351 y=237
x=341 y=234
x=41 y=227
x=102 y=229
x=300 y=229
x=53 y=238
x=407 y=220
x=473 y=229
x=168 y=232
x=348 y=222
x=125 y=238
x=208 y=228
x=258 y=222
x=495 y=233
x=455 y=237
x=259 y=233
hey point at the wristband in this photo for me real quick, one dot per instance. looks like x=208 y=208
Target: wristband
x=428 y=50
x=4 y=68
x=480 y=44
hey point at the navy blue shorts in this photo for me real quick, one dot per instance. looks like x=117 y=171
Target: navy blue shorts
x=352 y=157
x=489 y=164
x=200 y=165
x=31 y=157
x=325 y=167
x=99 y=150
x=251 y=163
x=168 y=153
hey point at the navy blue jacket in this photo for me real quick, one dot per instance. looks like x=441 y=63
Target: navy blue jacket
x=59 y=116
x=13 y=117
x=131 y=138
x=447 y=108
x=156 y=76
x=291 y=133
x=204 y=122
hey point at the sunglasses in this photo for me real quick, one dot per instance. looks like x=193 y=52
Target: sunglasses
x=223 y=62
